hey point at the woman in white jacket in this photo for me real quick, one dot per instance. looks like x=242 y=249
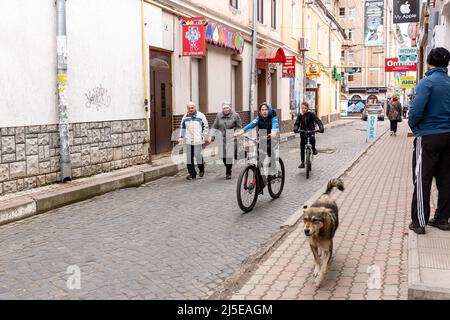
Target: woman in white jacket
x=194 y=130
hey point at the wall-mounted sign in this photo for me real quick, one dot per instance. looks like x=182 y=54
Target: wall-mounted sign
x=218 y=35
x=373 y=90
x=408 y=82
x=373 y=24
x=393 y=65
x=194 y=40
x=289 y=67
x=406 y=11
x=353 y=70
x=407 y=55
x=312 y=70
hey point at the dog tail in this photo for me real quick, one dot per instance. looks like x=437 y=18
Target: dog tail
x=334 y=183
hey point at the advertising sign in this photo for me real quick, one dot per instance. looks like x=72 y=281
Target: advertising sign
x=393 y=65
x=194 y=36
x=353 y=70
x=312 y=70
x=408 y=82
x=289 y=67
x=218 y=35
x=372 y=121
x=373 y=23
x=406 y=11
x=407 y=55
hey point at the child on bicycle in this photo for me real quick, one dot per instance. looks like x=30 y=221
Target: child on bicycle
x=267 y=126
x=307 y=120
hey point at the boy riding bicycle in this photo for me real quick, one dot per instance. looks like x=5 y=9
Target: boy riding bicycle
x=307 y=121
x=267 y=127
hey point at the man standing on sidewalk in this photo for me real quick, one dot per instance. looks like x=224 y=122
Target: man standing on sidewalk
x=429 y=119
x=194 y=130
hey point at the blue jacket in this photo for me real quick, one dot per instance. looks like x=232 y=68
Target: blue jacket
x=270 y=122
x=429 y=112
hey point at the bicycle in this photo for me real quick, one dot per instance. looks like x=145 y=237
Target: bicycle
x=308 y=151
x=251 y=184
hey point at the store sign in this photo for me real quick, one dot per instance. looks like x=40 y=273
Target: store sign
x=289 y=67
x=406 y=11
x=373 y=23
x=194 y=39
x=407 y=55
x=393 y=65
x=312 y=70
x=218 y=35
x=408 y=82
x=373 y=90
x=352 y=70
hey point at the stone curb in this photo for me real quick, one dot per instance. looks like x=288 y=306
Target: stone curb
x=27 y=206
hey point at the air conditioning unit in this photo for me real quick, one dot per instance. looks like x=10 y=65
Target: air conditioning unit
x=303 y=44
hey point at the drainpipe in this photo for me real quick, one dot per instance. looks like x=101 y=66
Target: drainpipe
x=61 y=48
x=146 y=84
x=253 y=69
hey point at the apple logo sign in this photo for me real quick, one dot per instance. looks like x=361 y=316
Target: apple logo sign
x=404 y=8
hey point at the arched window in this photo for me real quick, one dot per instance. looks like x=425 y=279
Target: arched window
x=372 y=99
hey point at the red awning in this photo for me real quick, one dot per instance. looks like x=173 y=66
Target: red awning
x=271 y=55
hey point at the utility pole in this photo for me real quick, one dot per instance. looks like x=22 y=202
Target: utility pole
x=61 y=48
x=253 y=69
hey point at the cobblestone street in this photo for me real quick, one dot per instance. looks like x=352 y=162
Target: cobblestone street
x=172 y=238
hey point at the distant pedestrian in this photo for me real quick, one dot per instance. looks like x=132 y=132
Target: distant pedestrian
x=227 y=123
x=394 y=113
x=429 y=119
x=194 y=129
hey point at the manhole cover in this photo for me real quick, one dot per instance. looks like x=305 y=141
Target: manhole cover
x=326 y=150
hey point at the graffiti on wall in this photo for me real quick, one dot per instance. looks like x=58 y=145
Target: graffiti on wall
x=98 y=98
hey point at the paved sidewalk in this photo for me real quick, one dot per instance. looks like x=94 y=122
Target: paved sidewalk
x=373 y=232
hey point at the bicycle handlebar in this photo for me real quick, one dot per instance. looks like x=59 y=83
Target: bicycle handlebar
x=309 y=131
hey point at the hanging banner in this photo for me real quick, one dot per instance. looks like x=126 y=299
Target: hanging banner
x=289 y=67
x=406 y=11
x=373 y=23
x=218 y=35
x=194 y=36
x=393 y=65
x=312 y=70
x=407 y=55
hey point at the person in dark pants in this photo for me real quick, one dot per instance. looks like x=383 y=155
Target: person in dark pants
x=307 y=120
x=429 y=119
x=225 y=125
x=394 y=113
x=194 y=129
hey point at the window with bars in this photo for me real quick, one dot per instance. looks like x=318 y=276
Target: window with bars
x=342 y=12
x=350 y=34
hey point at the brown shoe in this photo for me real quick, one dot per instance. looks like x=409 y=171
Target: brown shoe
x=418 y=230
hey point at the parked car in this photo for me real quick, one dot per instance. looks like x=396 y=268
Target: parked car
x=375 y=108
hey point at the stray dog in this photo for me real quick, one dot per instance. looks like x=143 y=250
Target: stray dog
x=320 y=224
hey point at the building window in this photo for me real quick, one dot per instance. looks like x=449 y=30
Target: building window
x=294 y=20
x=260 y=10
x=274 y=14
x=341 y=12
x=234 y=3
x=342 y=54
x=351 y=12
x=319 y=38
x=351 y=56
x=350 y=34
x=350 y=78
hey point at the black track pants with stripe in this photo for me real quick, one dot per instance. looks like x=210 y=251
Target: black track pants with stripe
x=431 y=158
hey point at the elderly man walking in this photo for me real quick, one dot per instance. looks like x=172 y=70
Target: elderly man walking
x=194 y=130
x=429 y=119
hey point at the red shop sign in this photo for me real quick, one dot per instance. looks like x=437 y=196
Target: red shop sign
x=393 y=65
x=289 y=67
x=194 y=36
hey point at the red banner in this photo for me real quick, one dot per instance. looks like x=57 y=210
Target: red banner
x=194 y=36
x=289 y=67
x=393 y=65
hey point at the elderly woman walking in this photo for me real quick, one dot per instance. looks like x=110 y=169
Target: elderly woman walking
x=225 y=125
x=394 y=112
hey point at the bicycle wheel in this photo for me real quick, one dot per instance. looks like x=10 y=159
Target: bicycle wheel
x=246 y=190
x=276 y=183
x=308 y=163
